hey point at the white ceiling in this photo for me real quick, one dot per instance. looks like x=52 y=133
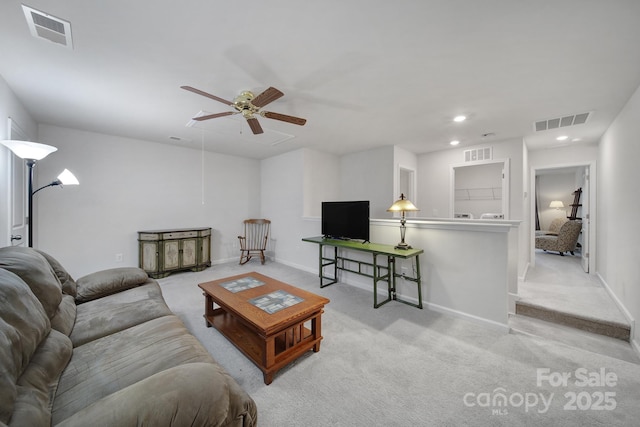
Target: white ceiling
x=364 y=73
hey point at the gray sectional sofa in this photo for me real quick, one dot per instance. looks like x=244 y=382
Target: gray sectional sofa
x=104 y=350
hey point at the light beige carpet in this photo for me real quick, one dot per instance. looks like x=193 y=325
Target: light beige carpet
x=401 y=366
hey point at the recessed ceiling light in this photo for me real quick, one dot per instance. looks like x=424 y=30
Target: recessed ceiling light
x=562 y=138
x=454 y=142
x=576 y=139
x=459 y=119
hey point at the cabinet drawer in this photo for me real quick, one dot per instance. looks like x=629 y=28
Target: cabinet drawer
x=148 y=236
x=179 y=235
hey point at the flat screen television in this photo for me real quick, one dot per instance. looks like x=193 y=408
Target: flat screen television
x=346 y=220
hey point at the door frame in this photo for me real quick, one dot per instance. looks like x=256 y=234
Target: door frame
x=590 y=183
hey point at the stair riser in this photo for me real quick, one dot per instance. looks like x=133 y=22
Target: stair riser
x=615 y=331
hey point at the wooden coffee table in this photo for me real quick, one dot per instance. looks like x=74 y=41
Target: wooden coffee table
x=272 y=336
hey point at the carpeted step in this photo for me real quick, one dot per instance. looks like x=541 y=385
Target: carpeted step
x=602 y=327
x=573 y=337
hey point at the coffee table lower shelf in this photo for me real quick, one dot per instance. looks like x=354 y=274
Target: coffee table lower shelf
x=269 y=352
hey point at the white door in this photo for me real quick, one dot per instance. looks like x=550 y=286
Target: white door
x=17 y=174
x=585 y=221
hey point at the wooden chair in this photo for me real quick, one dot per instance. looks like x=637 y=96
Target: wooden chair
x=254 y=241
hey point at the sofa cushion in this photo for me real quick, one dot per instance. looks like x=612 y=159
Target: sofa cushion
x=23 y=326
x=67 y=282
x=195 y=394
x=109 y=364
x=107 y=282
x=37 y=385
x=113 y=313
x=65 y=316
x=36 y=272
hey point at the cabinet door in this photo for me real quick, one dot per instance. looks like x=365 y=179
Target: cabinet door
x=149 y=256
x=189 y=252
x=205 y=255
x=171 y=255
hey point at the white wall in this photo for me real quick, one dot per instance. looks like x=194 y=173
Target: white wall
x=465 y=266
x=321 y=181
x=434 y=186
x=555 y=186
x=10 y=106
x=283 y=183
x=434 y=170
x=369 y=175
x=618 y=205
x=129 y=185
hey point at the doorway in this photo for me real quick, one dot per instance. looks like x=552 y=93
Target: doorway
x=576 y=176
x=407 y=185
x=566 y=290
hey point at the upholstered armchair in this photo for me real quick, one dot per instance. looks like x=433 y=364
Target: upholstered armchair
x=565 y=241
x=554 y=227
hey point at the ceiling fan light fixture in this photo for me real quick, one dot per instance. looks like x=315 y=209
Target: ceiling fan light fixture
x=249 y=105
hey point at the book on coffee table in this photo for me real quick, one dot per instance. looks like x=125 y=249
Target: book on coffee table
x=275 y=301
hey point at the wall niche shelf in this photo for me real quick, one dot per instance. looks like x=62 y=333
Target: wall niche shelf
x=489 y=193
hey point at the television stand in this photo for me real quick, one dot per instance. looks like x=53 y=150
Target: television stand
x=380 y=273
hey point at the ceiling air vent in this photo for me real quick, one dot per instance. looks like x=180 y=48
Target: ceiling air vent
x=561 y=122
x=477 y=154
x=45 y=26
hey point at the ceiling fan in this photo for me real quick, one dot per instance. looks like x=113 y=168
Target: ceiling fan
x=249 y=106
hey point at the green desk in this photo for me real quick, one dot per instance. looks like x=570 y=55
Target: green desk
x=385 y=273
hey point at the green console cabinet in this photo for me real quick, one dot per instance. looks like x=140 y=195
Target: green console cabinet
x=164 y=251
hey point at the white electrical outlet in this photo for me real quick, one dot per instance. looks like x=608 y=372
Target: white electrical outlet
x=118 y=257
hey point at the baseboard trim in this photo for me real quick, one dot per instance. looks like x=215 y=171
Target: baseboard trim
x=296 y=266
x=501 y=327
x=618 y=303
x=492 y=324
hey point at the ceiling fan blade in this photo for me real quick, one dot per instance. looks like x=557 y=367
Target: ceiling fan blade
x=284 y=118
x=266 y=97
x=208 y=95
x=254 y=124
x=213 y=116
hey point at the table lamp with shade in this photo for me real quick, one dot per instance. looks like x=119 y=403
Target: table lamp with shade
x=402 y=205
x=556 y=204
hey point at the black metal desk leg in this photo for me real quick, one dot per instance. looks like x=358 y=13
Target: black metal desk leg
x=419 y=281
x=392 y=271
x=375 y=281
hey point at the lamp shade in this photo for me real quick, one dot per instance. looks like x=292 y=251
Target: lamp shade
x=402 y=205
x=29 y=150
x=68 y=178
x=556 y=204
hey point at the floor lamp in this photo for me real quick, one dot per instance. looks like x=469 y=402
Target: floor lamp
x=31 y=152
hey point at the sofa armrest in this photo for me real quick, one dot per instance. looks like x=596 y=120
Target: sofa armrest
x=195 y=394
x=107 y=282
